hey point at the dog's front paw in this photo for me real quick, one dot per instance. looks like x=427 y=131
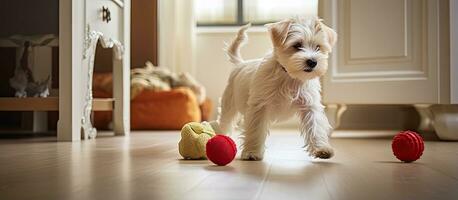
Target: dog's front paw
x=322 y=152
x=252 y=155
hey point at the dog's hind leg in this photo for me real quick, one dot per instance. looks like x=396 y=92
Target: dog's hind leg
x=227 y=113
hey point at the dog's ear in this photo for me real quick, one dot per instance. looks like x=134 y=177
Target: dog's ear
x=279 y=31
x=329 y=33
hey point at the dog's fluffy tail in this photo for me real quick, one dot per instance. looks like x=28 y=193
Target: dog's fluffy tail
x=233 y=49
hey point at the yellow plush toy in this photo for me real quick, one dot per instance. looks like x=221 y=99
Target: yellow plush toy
x=194 y=137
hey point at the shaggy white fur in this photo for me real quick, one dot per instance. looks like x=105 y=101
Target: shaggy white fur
x=283 y=83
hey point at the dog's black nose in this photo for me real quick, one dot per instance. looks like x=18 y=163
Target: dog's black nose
x=311 y=63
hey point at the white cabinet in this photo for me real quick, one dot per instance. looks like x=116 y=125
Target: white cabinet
x=83 y=23
x=389 y=52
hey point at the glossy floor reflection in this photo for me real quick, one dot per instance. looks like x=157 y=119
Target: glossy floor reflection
x=147 y=166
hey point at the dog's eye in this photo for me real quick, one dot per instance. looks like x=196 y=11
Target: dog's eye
x=317 y=48
x=297 y=45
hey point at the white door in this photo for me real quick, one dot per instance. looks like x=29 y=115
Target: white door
x=388 y=52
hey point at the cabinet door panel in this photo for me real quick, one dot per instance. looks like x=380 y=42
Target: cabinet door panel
x=391 y=42
x=386 y=53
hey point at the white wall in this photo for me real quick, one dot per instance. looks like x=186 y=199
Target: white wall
x=212 y=66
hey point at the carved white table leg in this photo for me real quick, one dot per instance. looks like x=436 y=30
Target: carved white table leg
x=88 y=131
x=334 y=113
x=121 y=77
x=445 y=121
x=426 y=122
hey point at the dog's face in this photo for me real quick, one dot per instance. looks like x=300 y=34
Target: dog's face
x=302 y=46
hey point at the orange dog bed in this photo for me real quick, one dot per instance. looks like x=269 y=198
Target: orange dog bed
x=152 y=110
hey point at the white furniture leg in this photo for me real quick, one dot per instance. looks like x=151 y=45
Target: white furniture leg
x=426 y=122
x=71 y=37
x=445 y=121
x=121 y=94
x=92 y=37
x=121 y=80
x=121 y=84
x=334 y=113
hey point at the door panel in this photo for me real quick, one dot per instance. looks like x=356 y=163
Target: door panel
x=386 y=52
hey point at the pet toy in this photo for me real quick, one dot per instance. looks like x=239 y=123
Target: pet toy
x=194 y=137
x=221 y=150
x=407 y=146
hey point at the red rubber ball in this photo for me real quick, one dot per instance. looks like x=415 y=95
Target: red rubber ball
x=221 y=150
x=407 y=146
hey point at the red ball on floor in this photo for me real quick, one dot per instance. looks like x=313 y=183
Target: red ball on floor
x=407 y=146
x=221 y=150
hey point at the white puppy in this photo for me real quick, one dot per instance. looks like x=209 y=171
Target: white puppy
x=283 y=83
